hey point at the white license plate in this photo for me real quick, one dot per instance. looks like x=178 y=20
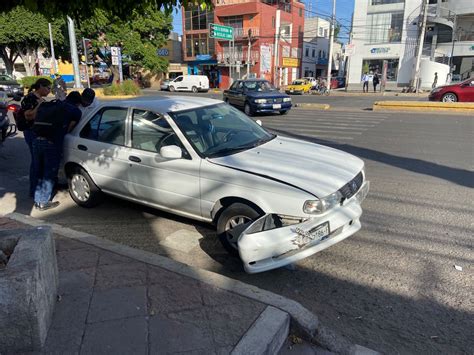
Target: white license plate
x=276 y=105
x=315 y=234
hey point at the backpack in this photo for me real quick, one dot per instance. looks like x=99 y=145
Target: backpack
x=20 y=120
x=49 y=119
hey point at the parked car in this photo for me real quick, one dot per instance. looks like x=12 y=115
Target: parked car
x=257 y=96
x=463 y=92
x=10 y=86
x=299 y=86
x=274 y=200
x=312 y=81
x=165 y=85
x=194 y=83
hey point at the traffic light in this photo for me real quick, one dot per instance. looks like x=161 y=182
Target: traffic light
x=88 y=51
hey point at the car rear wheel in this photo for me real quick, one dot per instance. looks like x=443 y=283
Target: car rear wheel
x=83 y=190
x=248 y=110
x=284 y=112
x=233 y=216
x=172 y=89
x=449 y=97
x=194 y=89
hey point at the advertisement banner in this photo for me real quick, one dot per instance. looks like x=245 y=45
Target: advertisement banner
x=291 y=62
x=265 y=58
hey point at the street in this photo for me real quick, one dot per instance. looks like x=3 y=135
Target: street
x=393 y=286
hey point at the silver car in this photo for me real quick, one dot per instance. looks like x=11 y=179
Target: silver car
x=273 y=200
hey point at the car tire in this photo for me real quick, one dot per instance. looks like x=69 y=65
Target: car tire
x=171 y=88
x=82 y=189
x=194 y=89
x=226 y=100
x=284 y=112
x=232 y=216
x=449 y=97
x=248 y=110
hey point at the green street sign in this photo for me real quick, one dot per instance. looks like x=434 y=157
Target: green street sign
x=221 y=32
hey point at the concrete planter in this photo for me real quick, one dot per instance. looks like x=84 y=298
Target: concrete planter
x=28 y=288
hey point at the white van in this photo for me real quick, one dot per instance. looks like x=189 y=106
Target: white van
x=192 y=83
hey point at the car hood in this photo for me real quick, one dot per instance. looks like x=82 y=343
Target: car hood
x=9 y=83
x=266 y=94
x=296 y=86
x=314 y=168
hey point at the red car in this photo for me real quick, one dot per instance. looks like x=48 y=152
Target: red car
x=463 y=92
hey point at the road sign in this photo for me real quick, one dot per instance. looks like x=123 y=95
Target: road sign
x=114 y=51
x=221 y=32
x=163 y=52
x=349 y=49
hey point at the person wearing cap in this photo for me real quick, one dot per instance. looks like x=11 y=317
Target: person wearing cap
x=89 y=101
x=59 y=87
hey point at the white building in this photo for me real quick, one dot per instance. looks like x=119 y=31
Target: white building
x=388 y=30
x=315 y=47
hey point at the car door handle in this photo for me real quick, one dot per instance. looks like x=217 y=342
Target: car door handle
x=82 y=147
x=134 y=159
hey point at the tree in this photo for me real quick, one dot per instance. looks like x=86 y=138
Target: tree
x=22 y=33
x=139 y=35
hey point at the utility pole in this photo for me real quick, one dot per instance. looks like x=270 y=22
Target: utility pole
x=75 y=59
x=86 y=53
x=421 y=42
x=248 y=52
x=453 y=40
x=331 y=40
x=54 y=67
x=277 y=41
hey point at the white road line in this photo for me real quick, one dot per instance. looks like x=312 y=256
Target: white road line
x=333 y=124
x=325 y=137
x=312 y=126
x=318 y=131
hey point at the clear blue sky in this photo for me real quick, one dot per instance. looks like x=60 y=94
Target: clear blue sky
x=322 y=8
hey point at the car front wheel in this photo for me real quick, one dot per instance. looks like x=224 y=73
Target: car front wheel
x=83 y=190
x=248 y=110
x=194 y=89
x=171 y=88
x=231 y=218
x=449 y=97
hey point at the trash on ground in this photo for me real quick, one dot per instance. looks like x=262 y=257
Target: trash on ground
x=458 y=268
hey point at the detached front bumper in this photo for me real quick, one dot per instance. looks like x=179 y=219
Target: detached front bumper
x=268 y=243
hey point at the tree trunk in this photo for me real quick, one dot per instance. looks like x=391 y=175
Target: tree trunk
x=115 y=72
x=7 y=59
x=29 y=61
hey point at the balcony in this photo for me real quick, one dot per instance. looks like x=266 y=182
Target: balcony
x=441 y=15
x=238 y=56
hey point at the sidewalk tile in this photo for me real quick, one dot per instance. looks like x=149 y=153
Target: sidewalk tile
x=158 y=275
x=176 y=296
x=121 y=275
x=117 y=303
x=64 y=244
x=183 y=331
x=74 y=281
x=123 y=336
x=77 y=259
x=108 y=258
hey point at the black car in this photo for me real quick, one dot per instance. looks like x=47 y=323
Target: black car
x=256 y=96
x=10 y=86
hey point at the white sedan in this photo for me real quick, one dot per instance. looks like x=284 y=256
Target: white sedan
x=274 y=200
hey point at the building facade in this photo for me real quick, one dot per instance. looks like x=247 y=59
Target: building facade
x=255 y=25
x=315 y=47
x=385 y=35
x=173 y=52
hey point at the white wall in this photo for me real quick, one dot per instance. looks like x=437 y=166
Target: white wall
x=428 y=70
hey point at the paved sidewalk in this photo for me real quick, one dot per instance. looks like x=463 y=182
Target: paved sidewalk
x=111 y=304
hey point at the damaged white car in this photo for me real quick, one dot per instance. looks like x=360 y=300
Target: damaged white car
x=274 y=200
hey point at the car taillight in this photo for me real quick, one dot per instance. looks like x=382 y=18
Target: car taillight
x=13 y=108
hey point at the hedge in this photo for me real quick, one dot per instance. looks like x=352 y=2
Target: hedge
x=128 y=87
x=27 y=81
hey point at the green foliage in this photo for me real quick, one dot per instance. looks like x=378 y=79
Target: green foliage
x=128 y=87
x=27 y=81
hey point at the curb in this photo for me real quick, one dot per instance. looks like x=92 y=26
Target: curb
x=266 y=335
x=302 y=322
x=423 y=106
x=313 y=106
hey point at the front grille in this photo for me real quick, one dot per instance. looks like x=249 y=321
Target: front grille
x=350 y=189
x=278 y=100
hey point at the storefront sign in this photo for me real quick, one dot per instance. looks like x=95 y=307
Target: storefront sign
x=203 y=57
x=291 y=62
x=265 y=59
x=380 y=50
x=173 y=67
x=163 y=52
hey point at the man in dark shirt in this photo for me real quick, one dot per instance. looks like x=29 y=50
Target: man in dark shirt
x=48 y=145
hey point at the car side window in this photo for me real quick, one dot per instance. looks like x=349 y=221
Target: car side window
x=151 y=131
x=178 y=79
x=107 y=125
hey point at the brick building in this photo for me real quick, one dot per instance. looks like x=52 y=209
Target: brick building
x=259 y=19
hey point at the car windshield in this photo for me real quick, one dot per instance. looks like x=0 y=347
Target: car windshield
x=298 y=82
x=258 y=86
x=220 y=130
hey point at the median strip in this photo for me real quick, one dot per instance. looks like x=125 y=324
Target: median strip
x=423 y=106
x=311 y=106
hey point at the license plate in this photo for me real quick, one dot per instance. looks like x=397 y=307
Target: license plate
x=317 y=233
x=276 y=105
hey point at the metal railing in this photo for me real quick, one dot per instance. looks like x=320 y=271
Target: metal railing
x=244 y=32
x=238 y=56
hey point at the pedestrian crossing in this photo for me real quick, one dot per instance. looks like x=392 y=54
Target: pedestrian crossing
x=325 y=125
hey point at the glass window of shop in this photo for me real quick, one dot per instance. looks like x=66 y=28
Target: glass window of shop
x=384 y=27
x=372 y=66
x=198 y=43
x=197 y=19
x=383 y=2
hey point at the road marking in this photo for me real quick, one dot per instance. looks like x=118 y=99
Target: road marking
x=182 y=240
x=320 y=124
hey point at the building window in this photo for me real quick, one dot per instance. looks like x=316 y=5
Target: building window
x=325 y=33
x=197 y=44
x=314 y=53
x=319 y=54
x=306 y=52
x=383 y=2
x=372 y=66
x=273 y=21
x=320 y=31
x=197 y=19
x=385 y=27
x=234 y=21
x=300 y=11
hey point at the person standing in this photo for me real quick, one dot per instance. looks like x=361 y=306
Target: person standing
x=59 y=87
x=375 y=81
x=365 y=80
x=89 y=101
x=30 y=104
x=435 y=81
x=53 y=121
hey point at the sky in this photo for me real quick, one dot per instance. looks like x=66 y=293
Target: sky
x=322 y=8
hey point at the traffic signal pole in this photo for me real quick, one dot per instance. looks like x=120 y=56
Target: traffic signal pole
x=86 y=57
x=75 y=59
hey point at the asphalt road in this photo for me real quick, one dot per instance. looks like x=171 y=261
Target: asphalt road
x=393 y=286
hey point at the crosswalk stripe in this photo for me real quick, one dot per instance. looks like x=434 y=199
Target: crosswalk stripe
x=308 y=127
x=317 y=131
x=320 y=123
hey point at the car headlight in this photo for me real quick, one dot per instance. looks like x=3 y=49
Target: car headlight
x=287 y=99
x=322 y=205
x=260 y=101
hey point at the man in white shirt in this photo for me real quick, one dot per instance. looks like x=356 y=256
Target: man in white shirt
x=365 y=80
x=89 y=101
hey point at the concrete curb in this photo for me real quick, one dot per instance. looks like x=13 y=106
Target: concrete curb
x=423 y=106
x=302 y=322
x=313 y=106
x=266 y=335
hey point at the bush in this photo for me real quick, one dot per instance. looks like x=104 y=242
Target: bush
x=128 y=87
x=27 y=81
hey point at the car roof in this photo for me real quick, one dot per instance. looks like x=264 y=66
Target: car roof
x=163 y=103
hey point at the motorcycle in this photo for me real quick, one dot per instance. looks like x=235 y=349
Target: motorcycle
x=7 y=128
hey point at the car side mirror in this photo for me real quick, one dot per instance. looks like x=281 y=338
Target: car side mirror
x=171 y=152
